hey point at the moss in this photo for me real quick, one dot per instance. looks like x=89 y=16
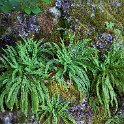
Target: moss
x=99 y=117
x=89 y=19
x=69 y=93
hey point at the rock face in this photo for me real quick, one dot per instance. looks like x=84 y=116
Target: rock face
x=82 y=112
x=48 y=23
x=6 y=118
x=17 y=24
x=22 y=24
x=100 y=20
x=85 y=18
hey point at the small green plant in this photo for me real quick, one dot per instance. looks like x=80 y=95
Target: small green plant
x=32 y=6
x=69 y=64
x=111 y=26
x=55 y=111
x=108 y=77
x=114 y=120
x=28 y=6
x=9 y=5
x=22 y=84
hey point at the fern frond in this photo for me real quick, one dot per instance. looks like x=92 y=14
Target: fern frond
x=108 y=77
x=23 y=78
x=69 y=66
x=55 y=110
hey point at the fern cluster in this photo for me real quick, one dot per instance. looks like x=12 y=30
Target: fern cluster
x=23 y=85
x=69 y=64
x=108 y=77
x=23 y=79
x=32 y=65
x=55 y=111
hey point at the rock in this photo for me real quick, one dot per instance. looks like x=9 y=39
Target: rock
x=82 y=113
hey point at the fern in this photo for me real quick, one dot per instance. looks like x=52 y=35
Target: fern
x=108 y=77
x=54 y=111
x=22 y=82
x=69 y=63
x=113 y=120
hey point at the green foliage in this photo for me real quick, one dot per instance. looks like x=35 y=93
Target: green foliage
x=22 y=83
x=111 y=26
x=108 y=77
x=70 y=64
x=28 y=6
x=30 y=10
x=47 y=1
x=55 y=111
x=9 y=5
x=114 y=120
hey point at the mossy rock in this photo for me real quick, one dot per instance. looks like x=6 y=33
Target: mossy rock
x=89 y=18
x=67 y=92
